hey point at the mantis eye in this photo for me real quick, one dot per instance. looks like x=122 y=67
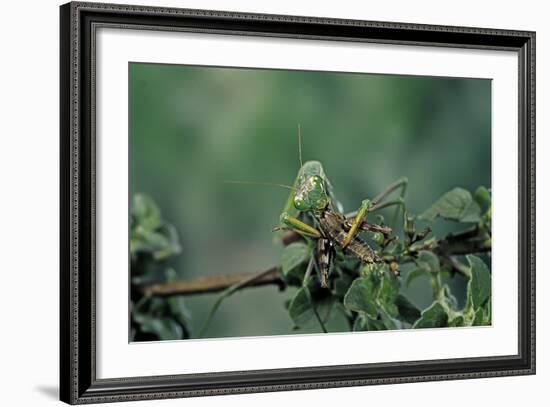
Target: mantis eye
x=301 y=204
x=317 y=193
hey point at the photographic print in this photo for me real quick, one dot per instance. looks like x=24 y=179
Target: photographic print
x=284 y=202
x=233 y=183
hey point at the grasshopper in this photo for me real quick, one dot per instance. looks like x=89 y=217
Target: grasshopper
x=312 y=194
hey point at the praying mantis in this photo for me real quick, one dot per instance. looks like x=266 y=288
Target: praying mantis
x=312 y=199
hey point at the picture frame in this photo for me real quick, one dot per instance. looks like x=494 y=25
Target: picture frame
x=79 y=382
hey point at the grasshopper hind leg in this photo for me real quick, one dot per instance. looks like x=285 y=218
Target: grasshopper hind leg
x=325 y=255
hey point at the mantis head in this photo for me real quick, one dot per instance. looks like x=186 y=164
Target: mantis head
x=311 y=194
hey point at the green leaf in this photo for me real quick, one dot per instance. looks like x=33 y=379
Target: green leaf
x=293 y=256
x=146 y=212
x=428 y=261
x=374 y=272
x=156 y=306
x=457 y=321
x=149 y=234
x=304 y=309
x=178 y=309
x=390 y=322
x=387 y=294
x=360 y=323
x=456 y=205
x=478 y=317
x=324 y=308
x=342 y=284
x=300 y=309
x=482 y=196
x=479 y=286
x=449 y=298
x=434 y=316
x=157 y=244
x=376 y=325
x=361 y=297
x=172 y=242
x=413 y=275
x=408 y=312
x=365 y=323
x=487 y=313
x=164 y=328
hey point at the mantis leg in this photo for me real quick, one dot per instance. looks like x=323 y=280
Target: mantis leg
x=304 y=234
x=299 y=226
x=325 y=252
x=373 y=227
x=359 y=219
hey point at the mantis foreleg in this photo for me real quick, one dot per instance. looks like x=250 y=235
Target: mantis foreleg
x=299 y=226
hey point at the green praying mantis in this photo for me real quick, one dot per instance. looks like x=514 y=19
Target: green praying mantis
x=313 y=212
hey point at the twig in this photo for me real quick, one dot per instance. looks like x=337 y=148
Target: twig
x=463 y=235
x=462 y=247
x=456 y=265
x=380 y=197
x=212 y=284
x=453 y=245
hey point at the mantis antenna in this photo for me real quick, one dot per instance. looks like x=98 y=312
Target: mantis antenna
x=269 y=184
x=273 y=184
x=300 y=145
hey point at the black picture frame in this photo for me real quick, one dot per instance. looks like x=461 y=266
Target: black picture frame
x=78 y=382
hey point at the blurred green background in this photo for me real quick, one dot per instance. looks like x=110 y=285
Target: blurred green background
x=193 y=127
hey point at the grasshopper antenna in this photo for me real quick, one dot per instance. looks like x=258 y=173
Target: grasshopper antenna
x=300 y=145
x=269 y=184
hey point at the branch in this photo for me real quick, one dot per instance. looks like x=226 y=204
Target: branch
x=463 y=247
x=452 y=245
x=212 y=284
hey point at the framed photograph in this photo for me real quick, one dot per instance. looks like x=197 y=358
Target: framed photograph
x=255 y=203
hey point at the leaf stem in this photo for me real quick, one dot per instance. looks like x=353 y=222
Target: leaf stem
x=226 y=293
x=305 y=282
x=317 y=316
